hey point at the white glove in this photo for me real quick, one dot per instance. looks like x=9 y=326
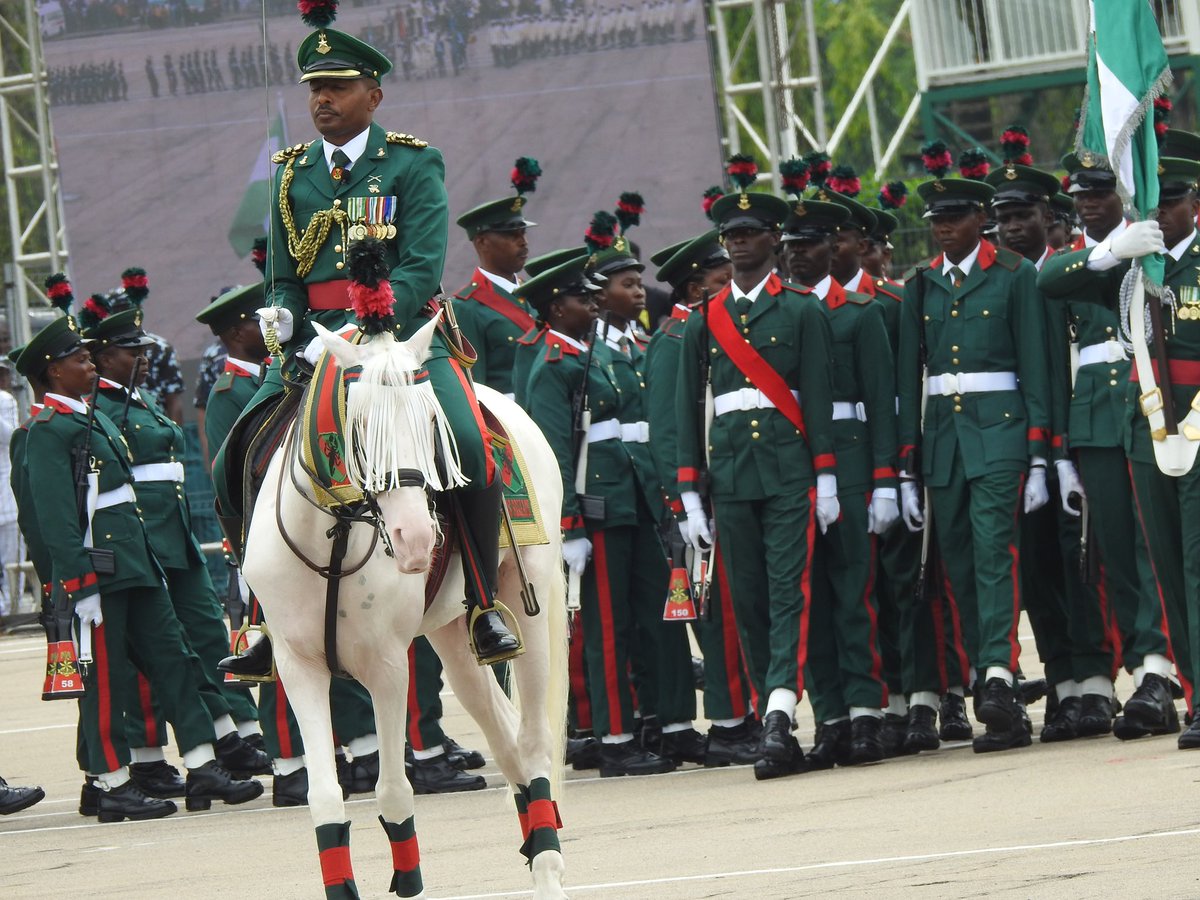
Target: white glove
x=828 y=507
x=313 y=351
x=88 y=610
x=1138 y=239
x=910 y=499
x=281 y=318
x=1037 y=494
x=576 y=553
x=1069 y=487
x=695 y=529
x=883 y=511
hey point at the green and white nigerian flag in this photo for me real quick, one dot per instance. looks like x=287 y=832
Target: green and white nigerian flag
x=253 y=213
x=1127 y=70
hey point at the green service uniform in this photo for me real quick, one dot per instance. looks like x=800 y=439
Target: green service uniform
x=726 y=688
x=625 y=584
x=493 y=320
x=976 y=444
x=134 y=602
x=1095 y=429
x=424 y=696
x=157 y=447
x=762 y=469
x=845 y=668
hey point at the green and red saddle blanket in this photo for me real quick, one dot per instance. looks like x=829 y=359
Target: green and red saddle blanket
x=322 y=449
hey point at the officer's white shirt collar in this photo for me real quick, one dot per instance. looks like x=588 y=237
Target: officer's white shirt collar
x=353 y=148
x=500 y=281
x=570 y=341
x=107 y=382
x=965 y=266
x=254 y=369
x=612 y=336
x=751 y=294
x=70 y=402
x=1046 y=254
x=1089 y=241
x=853 y=283
x=1176 y=252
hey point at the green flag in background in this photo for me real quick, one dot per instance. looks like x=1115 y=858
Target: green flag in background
x=253 y=212
x=1127 y=69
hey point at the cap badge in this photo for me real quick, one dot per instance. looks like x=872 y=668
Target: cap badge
x=939 y=185
x=620 y=244
x=1010 y=173
x=1087 y=160
x=799 y=209
x=322 y=44
x=744 y=201
x=517 y=203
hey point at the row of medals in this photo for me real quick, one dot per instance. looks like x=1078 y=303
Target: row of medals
x=379 y=230
x=1189 y=303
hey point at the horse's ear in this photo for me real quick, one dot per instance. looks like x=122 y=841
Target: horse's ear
x=348 y=355
x=418 y=344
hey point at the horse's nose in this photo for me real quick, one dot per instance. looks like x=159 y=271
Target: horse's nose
x=413 y=548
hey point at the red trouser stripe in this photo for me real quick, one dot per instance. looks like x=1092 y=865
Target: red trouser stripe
x=543 y=814
x=578 y=678
x=730 y=640
x=873 y=618
x=939 y=637
x=414 y=703
x=960 y=645
x=104 y=698
x=335 y=866
x=1014 y=653
x=406 y=855
x=286 y=751
x=810 y=533
x=484 y=434
x=612 y=681
x=147 y=704
x=1111 y=639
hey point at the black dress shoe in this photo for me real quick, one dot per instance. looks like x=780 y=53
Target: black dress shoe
x=583 y=753
x=892 y=733
x=955 y=726
x=359 y=776
x=158 y=779
x=1031 y=690
x=647 y=731
x=129 y=802
x=291 y=789
x=1151 y=708
x=210 y=782
x=997 y=706
x=1190 y=739
x=1062 y=720
x=921 y=733
x=737 y=746
x=1096 y=716
x=865 y=743
x=796 y=764
x=241 y=759
x=776 y=741
x=627 y=758
x=256 y=741
x=462 y=758
x=492 y=639
x=688 y=745
x=89 y=798
x=831 y=746
x=253 y=662
x=438 y=776
x=994 y=739
x=15 y=799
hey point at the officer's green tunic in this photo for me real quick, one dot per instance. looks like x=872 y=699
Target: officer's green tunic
x=975 y=447
x=1095 y=429
x=845 y=667
x=493 y=320
x=726 y=690
x=529 y=348
x=624 y=587
x=762 y=472
x=134 y=603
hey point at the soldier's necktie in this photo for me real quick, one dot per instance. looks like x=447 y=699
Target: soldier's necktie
x=623 y=343
x=341 y=165
x=957 y=276
x=743 y=304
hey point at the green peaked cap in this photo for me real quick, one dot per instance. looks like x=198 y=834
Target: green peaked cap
x=328 y=53
x=539 y=264
x=954 y=196
x=693 y=257
x=1015 y=183
x=123 y=329
x=58 y=339
x=563 y=279
x=233 y=307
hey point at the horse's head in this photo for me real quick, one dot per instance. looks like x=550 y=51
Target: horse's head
x=398 y=442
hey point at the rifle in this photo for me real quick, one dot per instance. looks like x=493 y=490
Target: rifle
x=103 y=561
x=129 y=388
x=922 y=587
x=702 y=565
x=591 y=507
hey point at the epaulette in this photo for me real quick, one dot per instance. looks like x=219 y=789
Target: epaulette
x=882 y=286
x=1195 y=249
x=223 y=383
x=554 y=353
x=1008 y=259
x=406 y=140
x=860 y=299
x=287 y=153
x=926 y=264
x=795 y=288
x=45 y=415
x=532 y=337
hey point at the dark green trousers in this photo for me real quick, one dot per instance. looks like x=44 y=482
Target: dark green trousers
x=424 y=696
x=766 y=546
x=726 y=687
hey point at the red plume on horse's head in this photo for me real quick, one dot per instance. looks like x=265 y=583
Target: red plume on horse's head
x=370 y=290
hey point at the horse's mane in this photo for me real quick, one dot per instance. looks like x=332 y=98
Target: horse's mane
x=391 y=399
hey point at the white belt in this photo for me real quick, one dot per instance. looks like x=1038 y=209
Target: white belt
x=168 y=471
x=611 y=429
x=117 y=496
x=846 y=410
x=1107 y=353
x=744 y=400
x=971 y=383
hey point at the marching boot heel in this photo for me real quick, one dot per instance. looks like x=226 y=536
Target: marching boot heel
x=197 y=804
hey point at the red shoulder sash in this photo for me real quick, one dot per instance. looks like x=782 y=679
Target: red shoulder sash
x=486 y=294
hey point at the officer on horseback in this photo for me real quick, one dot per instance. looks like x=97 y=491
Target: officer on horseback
x=359 y=181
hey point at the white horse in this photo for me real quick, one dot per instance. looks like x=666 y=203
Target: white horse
x=382 y=608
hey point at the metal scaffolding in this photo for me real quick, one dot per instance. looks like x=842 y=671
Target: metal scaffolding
x=32 y=198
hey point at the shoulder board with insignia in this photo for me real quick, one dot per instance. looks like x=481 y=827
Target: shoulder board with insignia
x=45 y=415
x=223 y=383
x=554 y=353
x=406 y=140
x=887 y=289
x=1008 y=259
x=860 y=299
x=290 y=153
x=795 y=288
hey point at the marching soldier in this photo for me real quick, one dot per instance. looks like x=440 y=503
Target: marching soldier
x=490 y=316
x=437 y=761
x=973 y=331
x=766 y=348
x=529 y=343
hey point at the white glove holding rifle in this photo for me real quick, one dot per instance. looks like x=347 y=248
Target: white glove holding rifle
x=910 y=502
x=88 y=611
x=695 y=529
x=1070 y=487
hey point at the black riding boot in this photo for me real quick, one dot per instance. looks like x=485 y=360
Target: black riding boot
x=491 y=638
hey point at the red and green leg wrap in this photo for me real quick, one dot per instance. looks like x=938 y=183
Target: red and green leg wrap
x=406 y=857
x=333 y=844
x=539 y=818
